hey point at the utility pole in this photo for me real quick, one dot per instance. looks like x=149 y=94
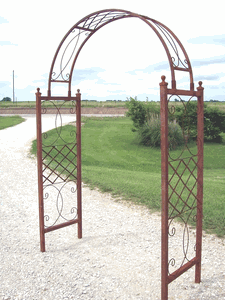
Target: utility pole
x=13 y=86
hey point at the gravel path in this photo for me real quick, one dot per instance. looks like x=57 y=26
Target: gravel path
x=117 y=258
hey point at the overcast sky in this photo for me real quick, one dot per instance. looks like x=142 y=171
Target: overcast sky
x=123 y=59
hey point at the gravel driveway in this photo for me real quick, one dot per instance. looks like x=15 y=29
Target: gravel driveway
x=117 y=258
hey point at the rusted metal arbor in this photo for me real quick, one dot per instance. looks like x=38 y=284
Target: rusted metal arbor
x=182 y=176
x=182 y=188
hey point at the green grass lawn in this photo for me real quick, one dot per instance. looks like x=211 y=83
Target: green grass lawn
x=10 y=121
x=113 y=161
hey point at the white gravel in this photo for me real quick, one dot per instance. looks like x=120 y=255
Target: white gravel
x=117 y=258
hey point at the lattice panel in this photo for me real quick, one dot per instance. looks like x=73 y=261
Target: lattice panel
x=182 y=186
x=60 y=161
x=182 y=183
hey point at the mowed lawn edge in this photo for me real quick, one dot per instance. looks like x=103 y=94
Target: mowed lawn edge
x=113 y=161
x=9 y=121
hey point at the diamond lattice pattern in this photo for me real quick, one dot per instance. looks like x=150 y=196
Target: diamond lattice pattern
x=59 y=162
x=182 y=186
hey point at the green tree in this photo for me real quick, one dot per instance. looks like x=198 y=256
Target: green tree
x=137 y=113
x=6 y=99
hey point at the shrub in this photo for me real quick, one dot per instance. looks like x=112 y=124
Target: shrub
x=150 y=134
x=141 y=112
x=146 y=121
x=186 y=117
x=175 y=136
x=214 y=124
x=137 y=112
x=214 y=121
x=152 y=111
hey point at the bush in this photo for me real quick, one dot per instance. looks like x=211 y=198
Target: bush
x=214 y=121
x=137 y=112
x=214 y=124
x=175 y=136
x=150 y=134
x=152 y=111
x=186 y=117
x=141 y=112
x=146 y=122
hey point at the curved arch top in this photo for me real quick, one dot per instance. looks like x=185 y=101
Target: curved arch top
x=68 y=50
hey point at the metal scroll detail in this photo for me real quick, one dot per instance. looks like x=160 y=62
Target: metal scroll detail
x=67 y=53
x=59 y=164
x=75 y=38
x=177 y=54
x=182 y=186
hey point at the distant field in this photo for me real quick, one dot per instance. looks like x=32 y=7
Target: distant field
x=84 y=103
x=220 y=105
x=91 y=103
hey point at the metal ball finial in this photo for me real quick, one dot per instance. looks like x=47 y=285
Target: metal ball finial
x=163 y=82
x=200 y=88
x=78 y=91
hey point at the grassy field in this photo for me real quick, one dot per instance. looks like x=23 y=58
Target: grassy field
x=114 y=162
x=84 y=103
x=10 y=121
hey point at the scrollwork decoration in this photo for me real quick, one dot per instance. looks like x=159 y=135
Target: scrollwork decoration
x=58 y=121
x=174 y=46
x=185 y=126
x=60 y=213
x=185 y=242
x=171 y=232
x=182 y=188
x=77 y=35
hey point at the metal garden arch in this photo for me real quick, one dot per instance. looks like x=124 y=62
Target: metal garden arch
x=51 y=175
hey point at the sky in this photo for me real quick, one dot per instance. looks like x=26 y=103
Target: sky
x=123 y=59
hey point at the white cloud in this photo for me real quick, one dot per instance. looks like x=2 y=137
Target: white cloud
x=120 y=54
x=7 y=43
x=3 y=20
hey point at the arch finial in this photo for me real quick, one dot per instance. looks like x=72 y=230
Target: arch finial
x=200 y=86
x=163 y=77
x=38 y=91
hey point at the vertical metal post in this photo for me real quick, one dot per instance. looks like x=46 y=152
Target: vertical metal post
x=200 y=143
x=40 y=179
x=79 y=200
x=164 y=188
x=13 y=87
